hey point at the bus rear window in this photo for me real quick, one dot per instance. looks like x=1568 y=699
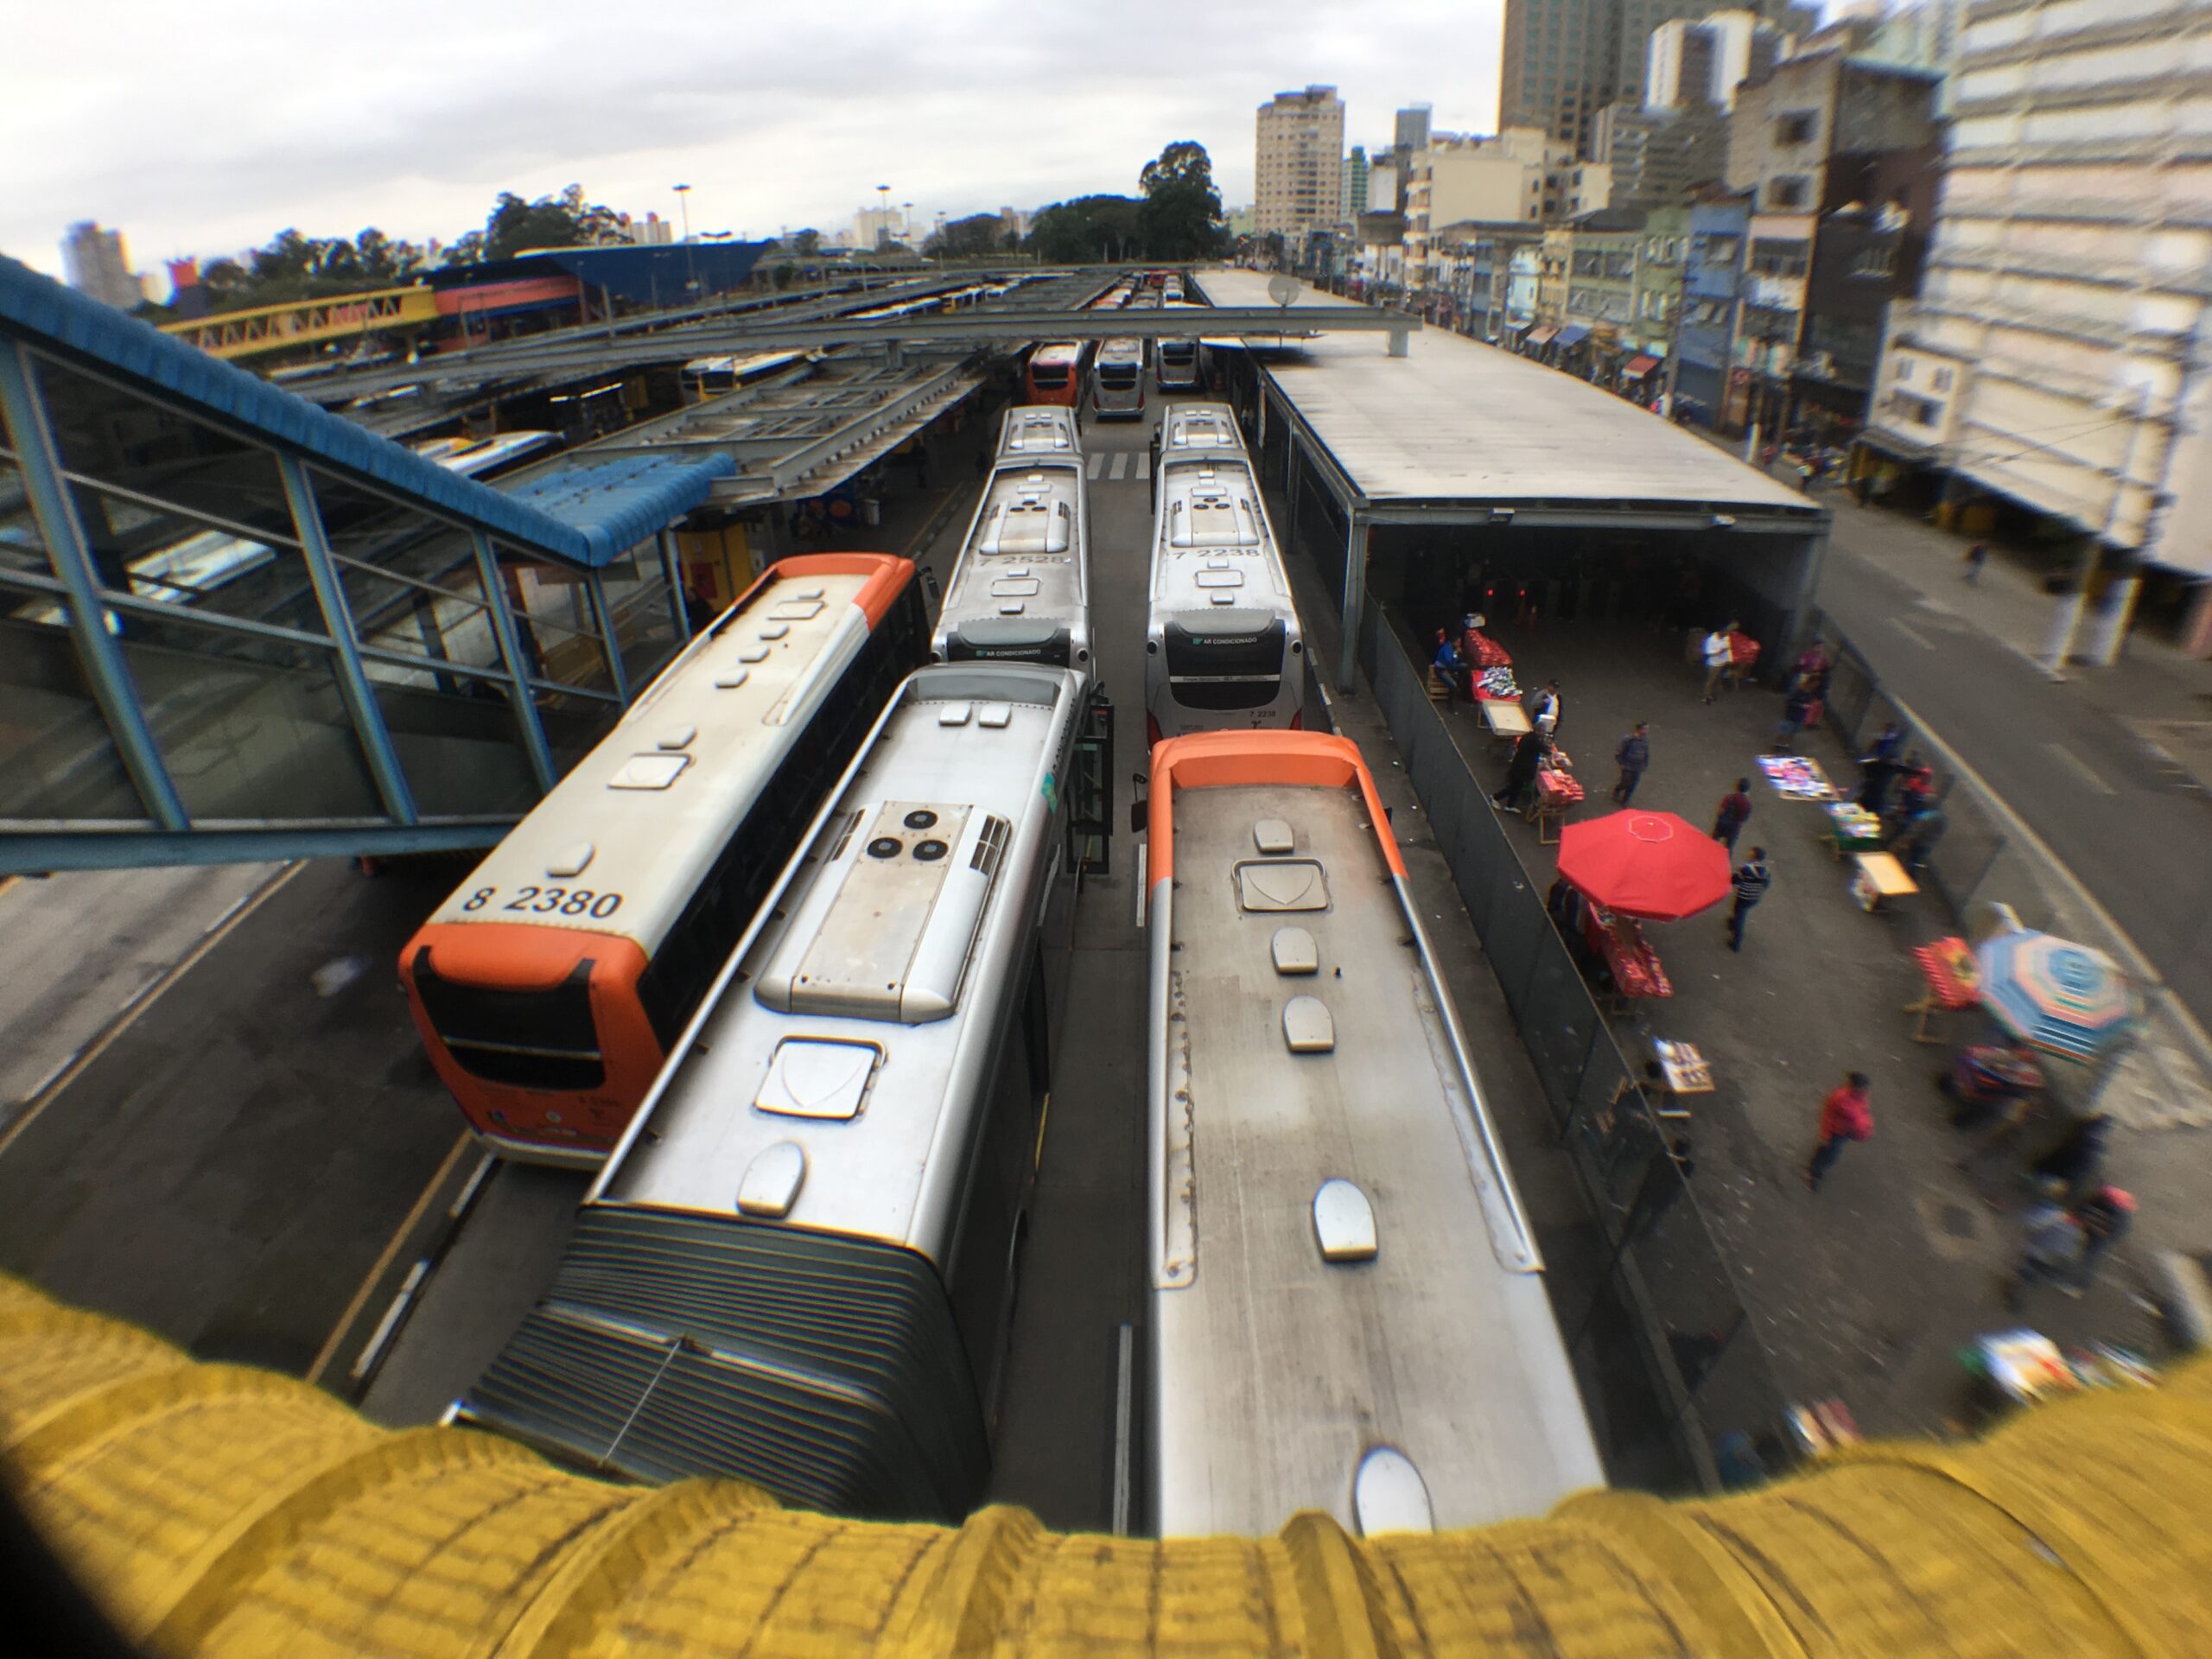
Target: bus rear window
x=1119 y=378
x=1054 y=377
x=526 y=1040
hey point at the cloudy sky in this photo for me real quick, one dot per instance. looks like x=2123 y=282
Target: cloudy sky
x=205 y=129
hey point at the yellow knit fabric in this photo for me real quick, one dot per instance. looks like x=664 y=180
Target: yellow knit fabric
x=223 y=1511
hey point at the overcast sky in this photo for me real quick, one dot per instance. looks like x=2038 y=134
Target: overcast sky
x=206 y=128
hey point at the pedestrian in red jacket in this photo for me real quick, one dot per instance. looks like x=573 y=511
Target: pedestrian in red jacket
x=1845 y=1115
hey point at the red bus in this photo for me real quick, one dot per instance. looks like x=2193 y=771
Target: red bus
x=552 y=984
x=1054 y=374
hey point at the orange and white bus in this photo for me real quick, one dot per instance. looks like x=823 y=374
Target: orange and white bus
x=553 y=982
x=1345 y=1306
x=1054 y=373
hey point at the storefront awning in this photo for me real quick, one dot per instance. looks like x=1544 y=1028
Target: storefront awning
x=1539 y=336
x=1573 y=334
x=1636 y=367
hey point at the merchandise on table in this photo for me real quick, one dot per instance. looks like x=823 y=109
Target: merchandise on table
x=1496 y=685
x=1557 y=786
x=2025 y=1365
x=1854 y=825
x=1794 y=778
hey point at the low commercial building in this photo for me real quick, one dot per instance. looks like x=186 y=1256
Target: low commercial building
x=1708 y=391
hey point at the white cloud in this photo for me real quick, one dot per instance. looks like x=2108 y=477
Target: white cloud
x=205 y=129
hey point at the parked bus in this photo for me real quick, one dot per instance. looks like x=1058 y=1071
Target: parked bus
x=799 y=1268
x=1054 y=374
x=1041 y=431
x=1346 y=1305
x=1176 y=362
x=1117 y=381
x=1020 y=589
x=552 y=984
x=1223 y=646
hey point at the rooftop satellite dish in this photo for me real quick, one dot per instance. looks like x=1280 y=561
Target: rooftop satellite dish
x=1282 y=288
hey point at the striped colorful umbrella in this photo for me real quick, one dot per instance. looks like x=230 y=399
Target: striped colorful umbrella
x=2062 y=997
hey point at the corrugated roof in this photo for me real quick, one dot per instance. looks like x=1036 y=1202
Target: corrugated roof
x=614 y=505
x=43 y=313
x=1458 y=421
x=218 y=1509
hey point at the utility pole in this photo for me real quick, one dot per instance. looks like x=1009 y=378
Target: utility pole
x=690 y=275
x=2067 y=624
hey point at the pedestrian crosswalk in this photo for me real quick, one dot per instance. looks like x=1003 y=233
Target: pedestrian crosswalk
x=1120 y=468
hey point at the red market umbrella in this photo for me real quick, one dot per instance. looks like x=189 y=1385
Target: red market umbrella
x=1648 y=864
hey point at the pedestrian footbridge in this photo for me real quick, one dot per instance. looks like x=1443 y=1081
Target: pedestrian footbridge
x=235 y=627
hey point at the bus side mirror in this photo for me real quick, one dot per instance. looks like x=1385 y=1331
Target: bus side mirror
x=1140 y=816
x=932 y=591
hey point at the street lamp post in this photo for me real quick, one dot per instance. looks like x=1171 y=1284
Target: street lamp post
x=690 y=275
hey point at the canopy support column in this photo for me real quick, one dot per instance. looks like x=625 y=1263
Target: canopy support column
x=1355 y=602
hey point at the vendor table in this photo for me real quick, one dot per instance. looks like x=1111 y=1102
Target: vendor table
x=1880 y=878
x=1851 y=829
x=1950 y=982
x=1557 y=794
x=1637 y=972
x=1508 y=721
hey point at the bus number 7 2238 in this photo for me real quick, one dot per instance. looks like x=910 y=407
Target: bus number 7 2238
x=566 y=901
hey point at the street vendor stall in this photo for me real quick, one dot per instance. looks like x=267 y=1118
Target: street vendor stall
x=1638 y=867
x=1558 y=792
x=1950 y=983
x=1851 y=829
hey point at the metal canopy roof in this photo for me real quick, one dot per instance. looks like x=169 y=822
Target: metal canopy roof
x=42 y=313
x=1456 y=424
x=617 y=504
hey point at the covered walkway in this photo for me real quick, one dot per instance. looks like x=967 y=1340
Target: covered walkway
x=1457 y=467
x=234 y=626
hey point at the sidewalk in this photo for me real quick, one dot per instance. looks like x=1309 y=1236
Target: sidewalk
x=1869 y=1288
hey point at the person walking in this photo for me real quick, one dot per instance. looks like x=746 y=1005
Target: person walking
x=2051 y=1249
x=1753 y=879
x=1877 y=765
x=1633 y=755
x=2067 y=1167
x=2105 y=1216
x=1545 y=711
x=1795 y=709
x=1977 y=556
x=1717 y=652
x=1735 y=812
x=1521 y=772
x=1848 y=1114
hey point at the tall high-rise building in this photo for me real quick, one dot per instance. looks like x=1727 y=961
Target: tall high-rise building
x=1299 y=149
x=1566 y=59
x=98 y=265
x=1355 y=188
x=1412 y=132
x=1699 y=63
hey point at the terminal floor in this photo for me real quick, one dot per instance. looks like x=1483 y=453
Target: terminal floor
x=229 y=1166
x=1868 y=1289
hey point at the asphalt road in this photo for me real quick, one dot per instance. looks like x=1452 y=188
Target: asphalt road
x=227 y=1167
x=2102 y=802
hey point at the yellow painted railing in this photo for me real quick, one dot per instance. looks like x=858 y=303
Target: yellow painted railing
x=307 y=322
x=222 y=1510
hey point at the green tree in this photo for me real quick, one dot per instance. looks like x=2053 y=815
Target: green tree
x=786 y=273
x=566 y=220
x=979 y=236
x=1182 y=215
x=806 y=244
x=1088 y=230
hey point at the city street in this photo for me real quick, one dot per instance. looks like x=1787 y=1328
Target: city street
x=2125 y=818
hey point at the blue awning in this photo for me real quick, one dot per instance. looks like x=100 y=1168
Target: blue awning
x=1573 y=334
x=44 y=314
x=614 y=505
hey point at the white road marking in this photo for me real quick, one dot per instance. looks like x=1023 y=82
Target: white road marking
x=1144 y=468
x=1098 y=462
x=1912 y=633
x=1121 y=465
x=2081 y=768
x=1143 y=890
